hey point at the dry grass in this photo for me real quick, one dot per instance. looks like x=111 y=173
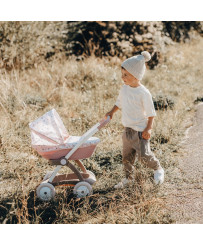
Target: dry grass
x=82 y=92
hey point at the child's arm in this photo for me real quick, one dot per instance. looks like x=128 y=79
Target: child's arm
x=146 y=134
x=113 y=110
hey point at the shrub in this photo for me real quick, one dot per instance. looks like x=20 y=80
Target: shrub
x=163 y=102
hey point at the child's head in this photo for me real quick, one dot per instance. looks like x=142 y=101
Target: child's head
x=128 y=78
x=136 y=65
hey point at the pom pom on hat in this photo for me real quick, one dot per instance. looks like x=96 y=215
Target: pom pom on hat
x=146 y=55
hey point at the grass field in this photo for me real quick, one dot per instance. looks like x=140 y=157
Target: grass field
x=82 y=92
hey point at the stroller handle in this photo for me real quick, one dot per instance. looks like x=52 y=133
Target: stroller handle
x=88 y=134
x=103 y=122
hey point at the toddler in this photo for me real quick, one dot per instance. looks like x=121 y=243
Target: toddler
x=138 y=113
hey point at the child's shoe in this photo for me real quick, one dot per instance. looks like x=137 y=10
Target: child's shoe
x=122 y=184
x=159 y=176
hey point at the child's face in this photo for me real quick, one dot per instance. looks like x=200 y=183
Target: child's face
x=128 y=78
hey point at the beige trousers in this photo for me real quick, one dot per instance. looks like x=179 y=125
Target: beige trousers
x=134 y=144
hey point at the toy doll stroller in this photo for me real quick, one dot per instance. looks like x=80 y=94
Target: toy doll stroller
x=51 y=140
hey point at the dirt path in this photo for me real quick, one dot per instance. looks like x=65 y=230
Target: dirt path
x=185 y=196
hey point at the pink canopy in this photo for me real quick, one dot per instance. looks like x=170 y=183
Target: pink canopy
x=48 y=130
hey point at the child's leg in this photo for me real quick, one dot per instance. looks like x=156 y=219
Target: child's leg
x=147 y=156
x=129 y=153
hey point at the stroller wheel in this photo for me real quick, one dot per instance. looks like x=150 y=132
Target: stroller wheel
x=82 y=189
x=47 y=175
x=45 y=192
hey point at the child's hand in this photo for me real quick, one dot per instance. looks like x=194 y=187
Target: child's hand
x=146 y=134
x=109 y=114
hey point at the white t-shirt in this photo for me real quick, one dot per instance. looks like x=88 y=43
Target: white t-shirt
x=136 y=105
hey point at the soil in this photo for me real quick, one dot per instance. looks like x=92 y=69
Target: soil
x=185 y=195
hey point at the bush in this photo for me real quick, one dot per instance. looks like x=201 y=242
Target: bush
x=24 y=44
x=163 y=102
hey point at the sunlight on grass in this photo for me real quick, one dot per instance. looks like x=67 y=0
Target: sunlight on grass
x=82 y=92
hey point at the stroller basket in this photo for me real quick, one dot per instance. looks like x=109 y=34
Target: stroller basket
x=52 y=141
x=80 y=153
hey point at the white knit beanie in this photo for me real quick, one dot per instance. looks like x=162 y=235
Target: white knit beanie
x=136 y=65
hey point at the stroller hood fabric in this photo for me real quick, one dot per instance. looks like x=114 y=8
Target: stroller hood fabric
x=48 y=130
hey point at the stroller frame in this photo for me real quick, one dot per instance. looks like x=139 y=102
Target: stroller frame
x=81 y=181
